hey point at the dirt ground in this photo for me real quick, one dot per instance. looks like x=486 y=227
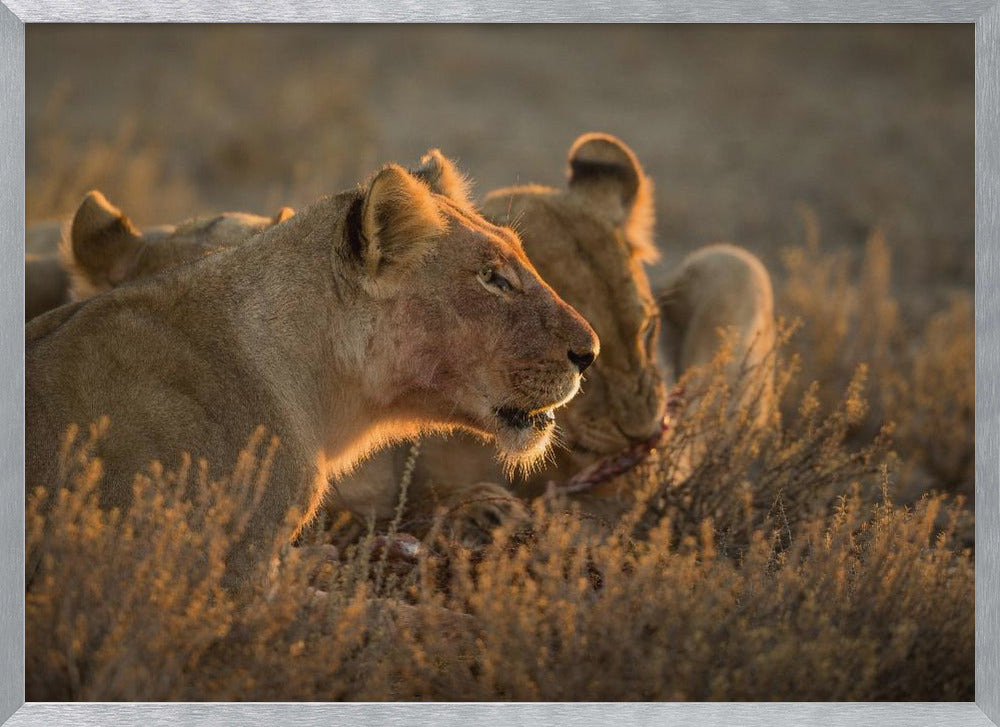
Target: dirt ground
x=741 y=127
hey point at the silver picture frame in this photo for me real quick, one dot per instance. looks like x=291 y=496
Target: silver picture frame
x=984 y=14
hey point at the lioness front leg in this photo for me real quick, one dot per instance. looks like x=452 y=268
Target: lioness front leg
x=289 y=498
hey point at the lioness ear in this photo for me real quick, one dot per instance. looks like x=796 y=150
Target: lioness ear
x=398 y=218
x=442 y=176
x=604 y=171
x=283 y=214
x=101 y=249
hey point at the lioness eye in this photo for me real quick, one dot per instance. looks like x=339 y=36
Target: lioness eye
x=492 y=277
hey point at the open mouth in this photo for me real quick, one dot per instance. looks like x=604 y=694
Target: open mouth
x=515 y=418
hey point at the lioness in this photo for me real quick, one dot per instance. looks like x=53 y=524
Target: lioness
x=590 y=241
x=374 y=315
x=55 y=273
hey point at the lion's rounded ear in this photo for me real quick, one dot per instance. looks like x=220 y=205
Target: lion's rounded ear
x=398 y=218
x=283 y=214
x=605 y=172
x=101 y=248
x=440 y=174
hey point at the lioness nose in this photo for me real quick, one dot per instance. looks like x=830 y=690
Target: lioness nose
x=583 y=359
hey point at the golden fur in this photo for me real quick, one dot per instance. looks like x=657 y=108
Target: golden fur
x=368 y=317
x=58 y=270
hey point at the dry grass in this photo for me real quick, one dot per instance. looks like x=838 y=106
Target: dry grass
x=767 y=573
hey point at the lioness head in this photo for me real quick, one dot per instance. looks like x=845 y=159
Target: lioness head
x=590 y=242
x=464 y=313
x=105 y=250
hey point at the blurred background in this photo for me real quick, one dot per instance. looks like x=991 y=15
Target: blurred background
x=747 y=131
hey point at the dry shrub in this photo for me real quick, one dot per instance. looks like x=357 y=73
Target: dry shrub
x=122 y=605
x=934 y=402
x=134 y=606
x=740 y=462
x=847 y=612
x=921 y=368
x=850 y=602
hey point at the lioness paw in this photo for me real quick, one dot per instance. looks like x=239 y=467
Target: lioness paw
x=478 y=511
